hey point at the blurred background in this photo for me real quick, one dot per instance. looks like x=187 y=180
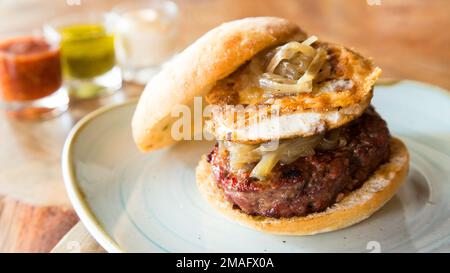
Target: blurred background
x=408 y=39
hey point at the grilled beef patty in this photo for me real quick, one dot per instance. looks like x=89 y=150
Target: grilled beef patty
x=311 y=183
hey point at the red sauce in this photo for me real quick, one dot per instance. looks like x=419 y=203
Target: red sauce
x=30 y=68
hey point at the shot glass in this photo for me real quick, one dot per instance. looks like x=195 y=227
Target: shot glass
x=31 y=78
x=87 y=54
x=145 y=34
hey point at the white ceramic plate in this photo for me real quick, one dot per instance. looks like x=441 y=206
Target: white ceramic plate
x=137 y=202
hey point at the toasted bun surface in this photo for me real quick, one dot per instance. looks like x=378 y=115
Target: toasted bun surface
x=346 y=64
x=196 y=70
x=355 y=207
x=303 y=114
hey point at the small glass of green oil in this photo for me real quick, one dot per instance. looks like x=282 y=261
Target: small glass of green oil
x=87 y=55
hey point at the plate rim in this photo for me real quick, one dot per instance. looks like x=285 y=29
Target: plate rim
x=76 y=196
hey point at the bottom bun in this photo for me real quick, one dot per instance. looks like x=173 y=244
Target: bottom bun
x=353 y=208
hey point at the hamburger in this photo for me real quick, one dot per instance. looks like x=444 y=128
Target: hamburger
x=300 y=150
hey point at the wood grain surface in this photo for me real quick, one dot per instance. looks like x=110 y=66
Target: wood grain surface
x=406 y=38
x=77 y=240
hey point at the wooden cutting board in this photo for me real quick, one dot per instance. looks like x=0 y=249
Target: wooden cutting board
x=78 y=240
x=408 y=39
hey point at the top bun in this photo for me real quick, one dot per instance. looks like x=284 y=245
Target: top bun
x=195 y=71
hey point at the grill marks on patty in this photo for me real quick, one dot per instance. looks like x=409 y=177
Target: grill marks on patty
x=312 y=183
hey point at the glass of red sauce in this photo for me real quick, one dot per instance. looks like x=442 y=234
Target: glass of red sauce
x=31 y=78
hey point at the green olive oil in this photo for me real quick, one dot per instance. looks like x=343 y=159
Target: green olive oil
x=87 y=51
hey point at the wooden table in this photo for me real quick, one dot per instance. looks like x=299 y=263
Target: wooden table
x=408 y=39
